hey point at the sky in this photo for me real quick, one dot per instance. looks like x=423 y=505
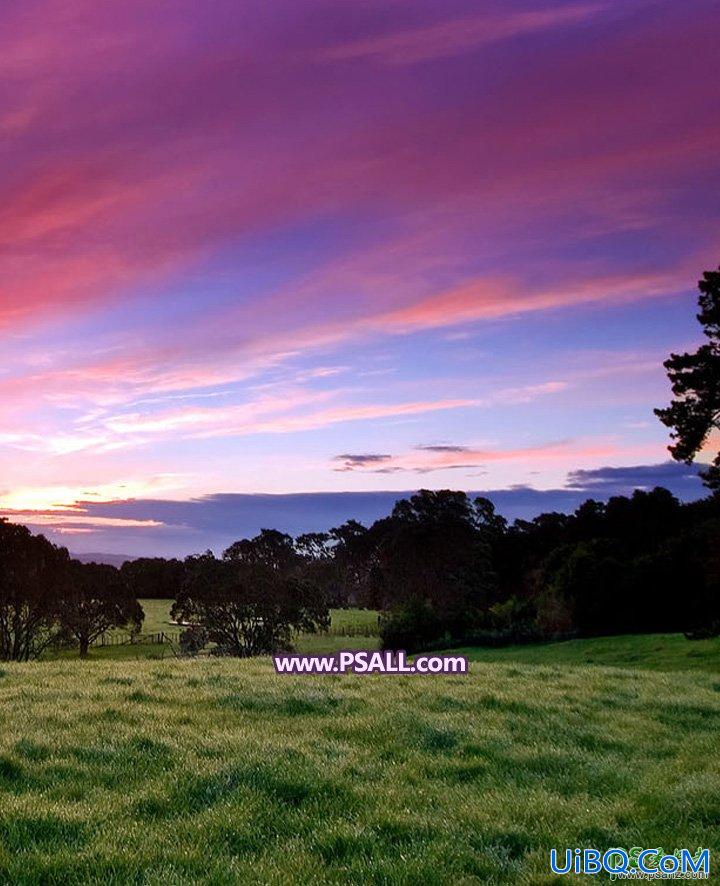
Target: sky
x=257 y=251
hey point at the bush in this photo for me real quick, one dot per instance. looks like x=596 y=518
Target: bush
x=412 y=627
x=254 y=600
x=705 y=632
x=193 y=640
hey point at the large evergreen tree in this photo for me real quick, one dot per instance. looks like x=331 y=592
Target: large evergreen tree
x=695 y=380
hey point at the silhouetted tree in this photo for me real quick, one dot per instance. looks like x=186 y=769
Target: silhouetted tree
x=695 y=380
x=321 y=566
x=355 y=565
x=150 y=577
x=32 y=575
x=441 y=568
x=582 y=589
x=193 y=640
x=314 y=546
x=95 y=599
x=486 y=518
x=689 y=561
x=434 y=559
x=254 y=599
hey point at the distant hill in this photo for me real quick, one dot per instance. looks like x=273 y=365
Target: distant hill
x=109 y=559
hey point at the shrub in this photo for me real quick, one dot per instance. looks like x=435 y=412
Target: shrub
x=193 y=640
x=412 y=626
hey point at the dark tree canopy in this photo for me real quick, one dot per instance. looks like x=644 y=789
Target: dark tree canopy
x=633 y=564
x=444 y=570
x=270 y=550
x=354 y=562
x=430 y=566
x=32 y=576
x=322 y=566
x=436 y=550
x=695 y=379
x=253 y=600
x=47 y=598
x=95 y=599
x=153 y=577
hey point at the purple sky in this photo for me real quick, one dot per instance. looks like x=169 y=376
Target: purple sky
x=290 y=246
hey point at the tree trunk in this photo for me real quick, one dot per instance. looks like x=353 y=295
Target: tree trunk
x=84 y=646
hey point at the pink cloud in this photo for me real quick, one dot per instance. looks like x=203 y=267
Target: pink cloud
x=204 y=197
x=428 y=459
x=448 y=38
x=164 y=150
x=183 y=363
x=260 y=417
x=491 y=299
x=282 y=408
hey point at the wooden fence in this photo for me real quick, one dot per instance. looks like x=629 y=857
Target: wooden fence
x=156 y=639
x=159 y=638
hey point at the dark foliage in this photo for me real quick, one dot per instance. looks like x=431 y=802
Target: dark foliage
x=254 y=599
x=447 y=570
x=433 y=566
x=695 y=381
x=96 y=598
x=412 y=626
x=193 y=640
x=149 y=577
x=639 y=564
x=46 y=598
x=444 y=570
x=32 y=575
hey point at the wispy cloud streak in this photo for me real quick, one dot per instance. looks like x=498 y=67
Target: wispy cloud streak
x=238 y=239
x=449 y=38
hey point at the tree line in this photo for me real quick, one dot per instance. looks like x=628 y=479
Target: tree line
x=48 y=599
x=444 y=569
x=441 y=568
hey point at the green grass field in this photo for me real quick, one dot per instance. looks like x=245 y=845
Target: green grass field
x=219 y=771
x=350 y=629
x=670 y=652
x=657 y=652
x=157 y=617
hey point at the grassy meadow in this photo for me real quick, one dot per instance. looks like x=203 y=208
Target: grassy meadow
x=219 y=771
x=349 y=629
x=157 y=617
x=656 y=652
